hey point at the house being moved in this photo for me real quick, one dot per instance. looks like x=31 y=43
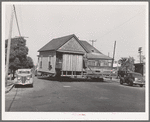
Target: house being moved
x=69 y=56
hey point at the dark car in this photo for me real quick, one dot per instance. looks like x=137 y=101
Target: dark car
x=132 y=78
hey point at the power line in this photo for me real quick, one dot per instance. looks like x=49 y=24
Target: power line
x=120 y=25
x=17 y=20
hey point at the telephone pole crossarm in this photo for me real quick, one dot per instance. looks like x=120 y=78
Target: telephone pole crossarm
x=93 y=41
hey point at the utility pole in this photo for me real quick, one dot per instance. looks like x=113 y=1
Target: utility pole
x=113 y=54
x=21 y=37
x=8 y=46
x=16 y=20
x=93 y=41
x=140 y=51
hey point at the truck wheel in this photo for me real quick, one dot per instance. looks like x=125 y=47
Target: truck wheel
x=130 y=82
x=141 y=85
x=121 y=81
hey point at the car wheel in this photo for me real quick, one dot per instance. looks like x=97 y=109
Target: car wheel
x=141 y=85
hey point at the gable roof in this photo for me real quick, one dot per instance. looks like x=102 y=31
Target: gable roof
x=54 y=44
x=92 y=52
x=89 y=48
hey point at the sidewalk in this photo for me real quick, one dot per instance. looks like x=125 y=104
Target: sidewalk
x=10 y=85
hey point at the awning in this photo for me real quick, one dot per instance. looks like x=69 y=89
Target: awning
x=98 y=56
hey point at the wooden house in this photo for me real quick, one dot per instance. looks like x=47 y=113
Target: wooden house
x=96 y=60
x=65 y=56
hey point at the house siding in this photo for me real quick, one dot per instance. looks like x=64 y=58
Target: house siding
x=45 y=61
x=73 y=46
x=69 y=52
x=72 y=62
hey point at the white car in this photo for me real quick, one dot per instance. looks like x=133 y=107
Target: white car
x=24 y=77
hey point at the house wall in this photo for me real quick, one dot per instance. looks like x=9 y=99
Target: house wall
x=45 y=57
x=72 y=62
x=72 y=57
x=72 y=46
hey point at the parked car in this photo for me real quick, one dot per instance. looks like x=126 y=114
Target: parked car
x=132 y=78
x=24 y=77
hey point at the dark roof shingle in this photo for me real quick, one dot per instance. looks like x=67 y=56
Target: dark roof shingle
x=89 y=48
x=97 y=56
x=54 y=44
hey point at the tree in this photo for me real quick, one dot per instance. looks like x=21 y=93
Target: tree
x=29 y=63
x=127 y=64
x=18 y=55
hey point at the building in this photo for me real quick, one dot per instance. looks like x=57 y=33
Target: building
x=69 y=56
x=140 y=68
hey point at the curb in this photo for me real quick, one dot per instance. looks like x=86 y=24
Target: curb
x=8 y=88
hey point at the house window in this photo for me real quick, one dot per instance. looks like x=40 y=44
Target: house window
x=104 y=63
x=91 y=63
x=96 y=63
x=49 y=62
x=41 y=62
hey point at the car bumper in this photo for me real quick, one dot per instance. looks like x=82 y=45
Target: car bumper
x=25 y=83
x=138 y=83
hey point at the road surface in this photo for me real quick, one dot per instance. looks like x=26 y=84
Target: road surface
x=77 y=96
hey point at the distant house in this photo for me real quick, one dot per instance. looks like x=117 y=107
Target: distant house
x=69 y=56
x=96 y=59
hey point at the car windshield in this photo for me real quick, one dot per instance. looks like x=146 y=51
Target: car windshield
x=24 y=72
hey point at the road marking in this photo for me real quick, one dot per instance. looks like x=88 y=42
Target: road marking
x=66 y=86
x=103 y=98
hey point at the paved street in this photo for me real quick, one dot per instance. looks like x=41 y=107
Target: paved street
x=55 y=96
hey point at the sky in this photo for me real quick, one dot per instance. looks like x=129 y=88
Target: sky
x=125 y=23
